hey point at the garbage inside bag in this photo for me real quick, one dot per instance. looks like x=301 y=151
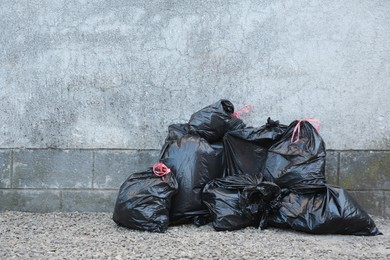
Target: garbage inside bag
x=297 y=161
x=144 y=201
x=246 y=149
x=194 y=162
x=330 y=211
x=240 y=201
x=213 y=121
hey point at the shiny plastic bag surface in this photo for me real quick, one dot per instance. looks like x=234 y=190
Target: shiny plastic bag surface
x=144 y=201
x=176 y=131
x=194 y=162
x=239 y=201
x=330 y=211
x=297 y=163
x=246 y=149
x=213 y=121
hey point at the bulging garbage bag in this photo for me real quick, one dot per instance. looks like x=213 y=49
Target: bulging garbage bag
x=330 y=211
x=297 y=161
x=194 y=162
x=240 y=201
x=144 y=201
x=246 y=149
x=176 y=131
x=213 y=121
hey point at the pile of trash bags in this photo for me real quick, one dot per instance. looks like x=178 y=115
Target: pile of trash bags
x=217 y=169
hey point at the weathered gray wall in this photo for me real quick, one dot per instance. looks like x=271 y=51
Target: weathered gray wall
x=102 y=75
x=114 y=74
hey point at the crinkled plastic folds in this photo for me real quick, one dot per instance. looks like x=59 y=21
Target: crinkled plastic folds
x=194 y=162
x=328 y=211
x=213 y=121
x=297 y=165
x=238 y=181
x=239 y=201
x=311 y=205
x=246 y=149
x=176 y=131
x=144 y=201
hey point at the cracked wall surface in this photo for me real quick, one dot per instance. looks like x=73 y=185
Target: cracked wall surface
x=88 y=88
x=115 y=74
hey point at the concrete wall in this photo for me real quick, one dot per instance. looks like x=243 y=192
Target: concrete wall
x=87 y=84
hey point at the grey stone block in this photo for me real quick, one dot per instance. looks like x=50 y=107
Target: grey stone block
x=52 y=169
x=365 y=170
x=5 y=168
x=331 y=167
x=373 y=202
x=113 y=167
x=387 y=203
x=89 y=200
x=30 y=200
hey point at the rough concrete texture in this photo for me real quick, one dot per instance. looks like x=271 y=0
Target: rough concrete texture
x=387 y=206
x=331 y=167
x=96 y=236
x=89 y=180
x=5 y=169
x=39 y=200
x=361 y=170
x=372 y=201
x=88 y=201
x=115 y=74
x=52 y=169
x=47 y=180
x=30 y=200
x=111 y=168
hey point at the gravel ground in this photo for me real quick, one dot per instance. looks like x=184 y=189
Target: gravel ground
x=96 y=236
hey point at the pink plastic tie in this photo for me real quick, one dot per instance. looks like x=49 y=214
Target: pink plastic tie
x=161 y=170
x=247 y=109
x=297 y=129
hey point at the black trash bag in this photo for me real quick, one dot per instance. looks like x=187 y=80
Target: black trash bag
x=144 y=202
x=213 y=121
x=297 y=161
x=240 y=201
x=330 y=211
x=246 y=149
x=194 y=162
x=176 y=131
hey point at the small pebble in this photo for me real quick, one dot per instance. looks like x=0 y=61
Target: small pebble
x=96 y=236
